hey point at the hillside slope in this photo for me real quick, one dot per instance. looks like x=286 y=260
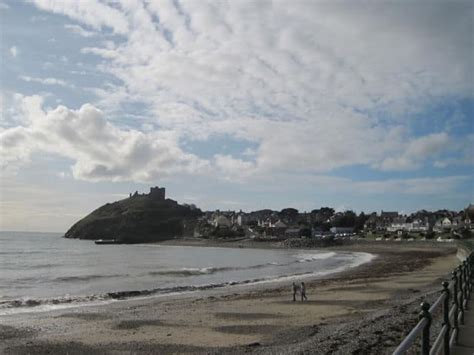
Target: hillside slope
x=138 y=219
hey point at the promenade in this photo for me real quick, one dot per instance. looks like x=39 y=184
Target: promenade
x=465 y=345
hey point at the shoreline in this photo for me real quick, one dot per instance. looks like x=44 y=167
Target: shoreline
x=12 y=307
x=232 y=319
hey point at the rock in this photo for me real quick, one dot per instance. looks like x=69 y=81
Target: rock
x=254 y=344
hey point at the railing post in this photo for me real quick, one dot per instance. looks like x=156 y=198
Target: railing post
x=466 y=282
x=425 y=340
x=456 y=305
x=469 y=275
x=471 y=271
x=447 y=323
x=461 y=294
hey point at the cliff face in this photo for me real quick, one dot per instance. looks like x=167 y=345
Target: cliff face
x=138 y=219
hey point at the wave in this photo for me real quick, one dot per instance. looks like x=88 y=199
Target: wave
x=208 y=270
x=190 y=271
x=29 y=302
x=26 y=304
x=20 y=252
x=305 y=258
x=84 y=277
x=183 y=272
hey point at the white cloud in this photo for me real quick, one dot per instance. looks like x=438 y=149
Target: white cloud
x=100 y=150
x=417 y=151
x=307 y=84
x=14 y=51
x=79 y=30
x=90 y=12
x=292 y=79
x=466 y=156
x=45 y=81
x=442 y=186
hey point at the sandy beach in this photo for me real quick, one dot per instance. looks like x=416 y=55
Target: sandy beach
x=365 y=310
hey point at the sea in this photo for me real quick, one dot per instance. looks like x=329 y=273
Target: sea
x=42 y=271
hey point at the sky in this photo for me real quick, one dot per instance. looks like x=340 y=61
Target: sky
x=362 y=105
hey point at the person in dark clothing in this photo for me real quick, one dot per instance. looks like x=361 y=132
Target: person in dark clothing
x=295 y=291
x=303 y=292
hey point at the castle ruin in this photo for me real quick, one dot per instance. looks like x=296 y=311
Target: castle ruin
x=157 y=193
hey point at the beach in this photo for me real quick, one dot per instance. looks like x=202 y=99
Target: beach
x=367 y=309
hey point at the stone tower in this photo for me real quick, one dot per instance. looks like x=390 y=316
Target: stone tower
x=157 y=193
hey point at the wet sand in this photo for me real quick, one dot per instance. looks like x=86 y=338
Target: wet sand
x=363 y=310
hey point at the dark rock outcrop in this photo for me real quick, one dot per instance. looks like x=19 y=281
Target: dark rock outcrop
x=138 y=219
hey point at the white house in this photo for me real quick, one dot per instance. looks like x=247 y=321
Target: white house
x=222 y=221
x=442 y=224
x=279 y=224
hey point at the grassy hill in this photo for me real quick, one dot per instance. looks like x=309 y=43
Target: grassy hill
x=138 y=219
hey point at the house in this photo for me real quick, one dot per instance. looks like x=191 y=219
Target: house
x=398 y=224
x=388 y=215
x=457 y=222
x=442 y=225
x=268 y=222
x=419 y=225
x=222 y=221
x=382 y=222
x=371 y=222
x=241 y=218
x=401 y=224
x=280 y=224
x=277 y=229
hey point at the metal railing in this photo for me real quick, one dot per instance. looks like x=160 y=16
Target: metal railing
x=454 y=302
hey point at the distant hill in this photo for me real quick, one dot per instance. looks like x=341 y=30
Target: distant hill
x=140 y=218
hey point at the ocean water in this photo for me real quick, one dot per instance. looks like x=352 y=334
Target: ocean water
x=38 y=269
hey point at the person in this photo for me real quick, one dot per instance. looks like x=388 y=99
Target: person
x=295 y=291
x=303 y=292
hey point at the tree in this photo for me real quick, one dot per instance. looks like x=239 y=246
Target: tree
x=360 y=221
x=305 y=232
x=347 y=219
x=289 y=213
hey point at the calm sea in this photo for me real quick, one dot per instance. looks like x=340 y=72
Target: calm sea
x=38 y=269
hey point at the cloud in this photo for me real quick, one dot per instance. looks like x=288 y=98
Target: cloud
x=45 y=81
x=427 y=185
x=417 y=151
x=416 y=186
x=466 y=156
x=79 y=30
x=100 y=150
x=314 y=86
x=14 y=51
x=90 y=12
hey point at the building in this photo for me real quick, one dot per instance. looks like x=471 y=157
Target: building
x=400 y=224
x=442 y=225
x=157 y=193
x=222 y=221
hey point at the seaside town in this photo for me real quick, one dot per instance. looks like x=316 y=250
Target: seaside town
x=314 y=162
x=326 y=222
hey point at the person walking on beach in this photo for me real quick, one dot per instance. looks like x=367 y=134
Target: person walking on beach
x=303 y=292
x=295 y=291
